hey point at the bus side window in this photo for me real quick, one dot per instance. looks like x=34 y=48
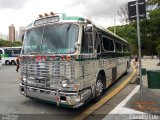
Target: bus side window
x=111 y=45
x=87 y=42
x=108 y=44
x=118 y=47
x=124 y=48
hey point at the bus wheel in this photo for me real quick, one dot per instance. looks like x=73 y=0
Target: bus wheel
x=98 y=88
x=7 y=62
x=13 y=62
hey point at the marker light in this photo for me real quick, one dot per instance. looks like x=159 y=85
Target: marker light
x=65 y=83
x=52 y=13
x=45 y=14
x=40 y=16
x=62 y=58
x=68 y=58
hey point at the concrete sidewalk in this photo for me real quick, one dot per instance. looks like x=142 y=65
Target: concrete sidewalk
x=132 y=107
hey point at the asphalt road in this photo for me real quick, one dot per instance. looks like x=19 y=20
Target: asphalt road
x=13 y=103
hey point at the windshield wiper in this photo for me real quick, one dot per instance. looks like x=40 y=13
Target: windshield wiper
x=47 y=52
x=32 y=53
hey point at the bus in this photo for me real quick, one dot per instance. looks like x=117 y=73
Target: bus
x=9 y=55
x=70 y=60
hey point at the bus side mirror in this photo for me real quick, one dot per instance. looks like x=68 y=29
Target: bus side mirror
x=88 y=28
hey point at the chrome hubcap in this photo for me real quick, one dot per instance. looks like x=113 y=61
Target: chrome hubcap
x=99 y=88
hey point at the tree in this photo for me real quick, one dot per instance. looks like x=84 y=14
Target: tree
x=6 y=43
x=123 y=13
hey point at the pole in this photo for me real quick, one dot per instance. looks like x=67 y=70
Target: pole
x=139 y=52
x=115 y=16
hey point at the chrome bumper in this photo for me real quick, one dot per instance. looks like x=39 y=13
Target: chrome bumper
x=74 y=100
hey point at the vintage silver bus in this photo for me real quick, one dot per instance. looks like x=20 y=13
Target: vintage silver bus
x=70 y=60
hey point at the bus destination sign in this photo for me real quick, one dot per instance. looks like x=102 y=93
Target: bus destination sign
x=46 y=20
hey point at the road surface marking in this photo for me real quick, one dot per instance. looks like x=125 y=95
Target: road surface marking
x=119 y=106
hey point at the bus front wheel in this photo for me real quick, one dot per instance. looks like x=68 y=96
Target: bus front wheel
x=7 y=62
x=98 y=88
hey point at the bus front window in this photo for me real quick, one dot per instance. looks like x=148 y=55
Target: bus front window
x=57 y=38
x=32 y=40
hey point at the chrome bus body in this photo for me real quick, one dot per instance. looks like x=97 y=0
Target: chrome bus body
x=70 y=79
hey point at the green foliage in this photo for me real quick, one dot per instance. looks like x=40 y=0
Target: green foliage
x=6 y=43
x=153 y=2
x=158 y=49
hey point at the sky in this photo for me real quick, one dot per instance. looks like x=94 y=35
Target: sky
x=23 y=12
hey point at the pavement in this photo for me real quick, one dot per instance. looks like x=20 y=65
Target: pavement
x=143 y=102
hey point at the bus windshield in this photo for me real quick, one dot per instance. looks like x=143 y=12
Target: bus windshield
x=56 y=38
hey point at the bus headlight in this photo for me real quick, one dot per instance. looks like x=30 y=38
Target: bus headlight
x=24 y=78
x=74 y=85
x=65 y=83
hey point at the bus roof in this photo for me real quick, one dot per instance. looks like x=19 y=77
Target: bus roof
x=62 y=17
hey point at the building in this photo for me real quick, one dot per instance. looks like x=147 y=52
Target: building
x=3 y=36
x=12 y=33
x=21 y=32
x=16 y=35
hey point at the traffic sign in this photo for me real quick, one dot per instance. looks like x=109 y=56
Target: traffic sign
x=132 y=10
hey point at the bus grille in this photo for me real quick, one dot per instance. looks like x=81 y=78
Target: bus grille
x=55 y=71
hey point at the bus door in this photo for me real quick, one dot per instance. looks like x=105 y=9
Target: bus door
x=87 y=48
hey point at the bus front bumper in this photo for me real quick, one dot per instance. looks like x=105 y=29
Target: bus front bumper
x=73 y=100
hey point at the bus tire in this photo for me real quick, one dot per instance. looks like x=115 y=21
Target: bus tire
x=13 y=62
x=98 y=88
x=7 y=62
